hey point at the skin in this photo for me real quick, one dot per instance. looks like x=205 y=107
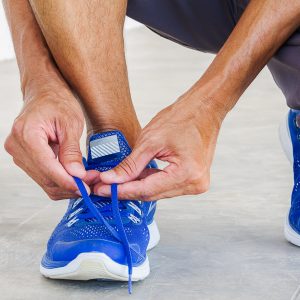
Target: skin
x=39 y=134
x=89 y=60
x=50 y=105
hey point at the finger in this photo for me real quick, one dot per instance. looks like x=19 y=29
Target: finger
x=104 y=188
x=70 y=155
x=156 y=186
x=36 y=157
x=52 y=190
x=59 y=194
x=131 y=167
x=92 y=180
x=57 y=174
x=91 y=177
x=51 y=169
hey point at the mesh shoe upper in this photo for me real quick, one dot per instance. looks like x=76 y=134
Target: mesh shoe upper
x=71 y=235
x=294 y=214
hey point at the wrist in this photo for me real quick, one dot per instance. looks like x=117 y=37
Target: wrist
x=41 y=78
x=202 y=101
x=39 y=84
x=51 y=92
x=217 y=92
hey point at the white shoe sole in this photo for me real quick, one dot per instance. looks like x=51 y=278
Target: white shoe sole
x=92 y=265
x=290 y=234
x=154 y=235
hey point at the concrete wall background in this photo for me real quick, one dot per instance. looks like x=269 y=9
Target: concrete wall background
x=6 y=47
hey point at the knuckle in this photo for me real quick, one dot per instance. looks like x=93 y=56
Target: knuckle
x=8 y=145
x=200 y=188
x=57 y=193
x=128 y=166
x=16 y=162
x=195 y=177
x=148 y=197
x=28 y=140
x=198 y=182
x=68 y=186
x=71 y=151
x=145 y=195
x=47 y=183
x=17 y=128
x=52 y=195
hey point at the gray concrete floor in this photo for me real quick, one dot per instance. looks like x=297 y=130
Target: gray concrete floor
x=226 y=244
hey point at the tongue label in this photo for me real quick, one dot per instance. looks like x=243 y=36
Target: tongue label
x=104 y=146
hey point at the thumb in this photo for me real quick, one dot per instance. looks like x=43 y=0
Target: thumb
x=70 y=156
x=130 y=168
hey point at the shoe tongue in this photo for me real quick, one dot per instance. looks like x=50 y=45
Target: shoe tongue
x=106 y=150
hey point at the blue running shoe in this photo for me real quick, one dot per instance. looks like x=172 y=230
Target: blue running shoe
x=289 y=134
x=102 y=238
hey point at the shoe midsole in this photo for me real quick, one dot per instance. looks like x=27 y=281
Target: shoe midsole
x=290 y=234
x=154 y=235
x=87 y=266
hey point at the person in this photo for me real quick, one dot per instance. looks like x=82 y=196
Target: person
x=72 y=68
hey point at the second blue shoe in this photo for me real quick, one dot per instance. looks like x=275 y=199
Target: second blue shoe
x=289 y=133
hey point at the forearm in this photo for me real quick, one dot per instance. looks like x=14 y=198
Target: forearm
x=93 y=50
x=89 y=54
x=88 y=48
x=263 y=28
x=37 y=69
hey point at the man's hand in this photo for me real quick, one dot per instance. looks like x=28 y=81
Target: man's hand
x=49 y=127
x=51 y=121
x=182 y=135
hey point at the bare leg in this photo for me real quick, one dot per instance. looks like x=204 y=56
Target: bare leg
x=86 y=40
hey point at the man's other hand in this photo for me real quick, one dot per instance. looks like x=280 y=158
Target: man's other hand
x=183 y=135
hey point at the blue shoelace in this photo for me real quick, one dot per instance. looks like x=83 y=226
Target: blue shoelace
x=121 y=234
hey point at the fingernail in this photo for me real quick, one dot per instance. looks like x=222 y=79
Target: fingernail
x=78 y=193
